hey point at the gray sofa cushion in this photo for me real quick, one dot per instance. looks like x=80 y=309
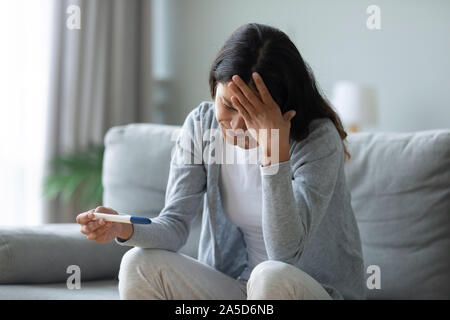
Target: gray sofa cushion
x=400 y=185
x=136 y=169
x=90 y=290
x=42 y=255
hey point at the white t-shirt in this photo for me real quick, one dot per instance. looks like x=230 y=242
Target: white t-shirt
x=240 y=184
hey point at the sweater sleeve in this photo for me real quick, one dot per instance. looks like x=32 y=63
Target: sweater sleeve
x=296 y=194
x=184 y=194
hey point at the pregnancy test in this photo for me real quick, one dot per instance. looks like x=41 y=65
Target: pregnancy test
x=122 y=218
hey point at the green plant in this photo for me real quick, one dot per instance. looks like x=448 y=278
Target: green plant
x=77 y=176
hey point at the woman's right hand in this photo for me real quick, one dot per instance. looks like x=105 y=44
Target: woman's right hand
x=101 y=230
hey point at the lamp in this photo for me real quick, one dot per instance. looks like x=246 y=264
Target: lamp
x=356 y=104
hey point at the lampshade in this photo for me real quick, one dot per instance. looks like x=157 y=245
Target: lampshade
x=356 y=104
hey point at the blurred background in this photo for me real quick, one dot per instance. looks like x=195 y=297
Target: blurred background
x=70 y=70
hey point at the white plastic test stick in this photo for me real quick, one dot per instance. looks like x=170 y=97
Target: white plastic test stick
x=122 y=218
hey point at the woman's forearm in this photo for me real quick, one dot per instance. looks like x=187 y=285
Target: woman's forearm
x=283 y=229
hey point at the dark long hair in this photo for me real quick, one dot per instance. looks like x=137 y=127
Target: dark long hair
x=270 y=52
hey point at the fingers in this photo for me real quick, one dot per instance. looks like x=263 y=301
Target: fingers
x=85 y=217
x=262 y=89
x=247 y=92
x=95 y=229
x=92 y=226
x=100 y=233
x=243 y=111
x=237 y=93
x=105 y=210
x=289 y=115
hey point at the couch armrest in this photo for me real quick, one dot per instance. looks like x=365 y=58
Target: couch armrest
x=42 y=254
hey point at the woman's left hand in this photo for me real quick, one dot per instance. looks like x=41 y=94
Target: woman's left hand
x=262 y=112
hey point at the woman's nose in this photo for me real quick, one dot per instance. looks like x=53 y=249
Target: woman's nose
x=238 y=123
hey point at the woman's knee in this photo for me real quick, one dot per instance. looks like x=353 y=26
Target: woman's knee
x=136 y=267
x=278 y=280
x=266 y=276
x=137 y=257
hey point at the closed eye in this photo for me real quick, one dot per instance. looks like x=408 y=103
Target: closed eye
x=229 y=107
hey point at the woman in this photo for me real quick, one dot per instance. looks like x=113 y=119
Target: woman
x=280 y=227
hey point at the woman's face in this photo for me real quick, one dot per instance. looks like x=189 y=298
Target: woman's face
x=230 y=120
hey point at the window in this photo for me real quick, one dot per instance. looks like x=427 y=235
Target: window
x=25 y=41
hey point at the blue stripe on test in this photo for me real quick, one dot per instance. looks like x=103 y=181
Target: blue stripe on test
x=140 y=220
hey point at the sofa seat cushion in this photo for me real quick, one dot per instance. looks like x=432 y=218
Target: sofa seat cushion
x=42 y=254
x=89 y=290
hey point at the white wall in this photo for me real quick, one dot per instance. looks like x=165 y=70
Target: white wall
x=407 y=61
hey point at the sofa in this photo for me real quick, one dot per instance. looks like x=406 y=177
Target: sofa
x=400 y=187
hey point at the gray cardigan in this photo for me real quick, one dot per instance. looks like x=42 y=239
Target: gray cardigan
x=307 y=217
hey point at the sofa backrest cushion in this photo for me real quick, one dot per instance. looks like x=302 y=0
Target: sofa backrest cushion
x=136 y=169
x=400 y=186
